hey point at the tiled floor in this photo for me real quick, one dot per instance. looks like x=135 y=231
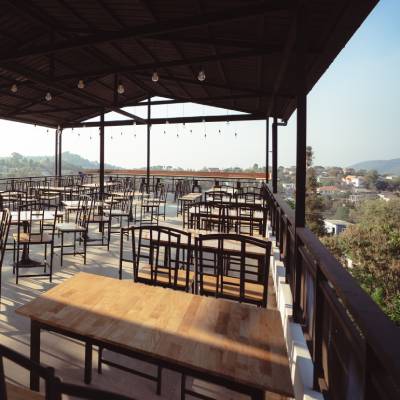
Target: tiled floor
x=66 y=355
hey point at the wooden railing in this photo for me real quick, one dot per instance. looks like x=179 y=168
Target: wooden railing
x=354 y=346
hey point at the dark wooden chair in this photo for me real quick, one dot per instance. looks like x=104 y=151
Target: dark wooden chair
x=79 y=229
x=4 y=229
x=32 y=230
x=54 y=388
x=233 y=266
x=161 y=256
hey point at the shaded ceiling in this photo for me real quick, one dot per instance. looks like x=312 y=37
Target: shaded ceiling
x=246 y=48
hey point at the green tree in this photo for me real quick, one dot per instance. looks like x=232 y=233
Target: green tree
x=314 y=201
x=371 y=178
x=373 y=245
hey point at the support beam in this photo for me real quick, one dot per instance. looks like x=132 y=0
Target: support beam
x=178 y=120
x=56 y=153
x=267 y=150
x=101 y=169
x=148 y=145
x=275 y=156
x=59 y=152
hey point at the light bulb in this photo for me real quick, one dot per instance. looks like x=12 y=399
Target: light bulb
x=14 y=88
x=219 y=131
x=164 y=132
x=81 y=84
x=120 y=89
x=155 y=77
x=235 y=134
x=201 y=76
x=48 y=96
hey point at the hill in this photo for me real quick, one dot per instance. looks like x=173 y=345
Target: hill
x=382 y=166
x=18 y=165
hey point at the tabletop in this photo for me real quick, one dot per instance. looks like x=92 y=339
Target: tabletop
x=227 y=339
x=190 y=197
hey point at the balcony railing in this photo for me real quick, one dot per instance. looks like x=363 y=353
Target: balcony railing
x=354 y=346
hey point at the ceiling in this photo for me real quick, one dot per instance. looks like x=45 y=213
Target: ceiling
x=247 y=50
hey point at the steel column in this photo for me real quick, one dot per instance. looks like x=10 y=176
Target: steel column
x=56 y=154
x=267 y=150
x=101 y=169
x=148 y=144
x=59 y=152
x=275 y=156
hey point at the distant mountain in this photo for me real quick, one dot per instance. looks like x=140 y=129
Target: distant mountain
x=18 y=165
x=382 y=166
x=74 y=161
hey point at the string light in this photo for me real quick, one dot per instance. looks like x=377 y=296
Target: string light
x=201 y=76
x=155 y=76
x=81 y=84
x=14 y=88
x=120 y=88
x=48 y=96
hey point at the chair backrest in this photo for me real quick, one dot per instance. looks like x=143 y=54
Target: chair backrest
x=207 y=215
x=46 y=373
x=166 y=250
x=4 y=228
x=218 y=195
x=236 y=266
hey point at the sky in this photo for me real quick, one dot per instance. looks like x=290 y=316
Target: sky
x=353 y=116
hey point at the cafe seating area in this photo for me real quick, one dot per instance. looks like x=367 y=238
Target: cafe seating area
x=220 y=255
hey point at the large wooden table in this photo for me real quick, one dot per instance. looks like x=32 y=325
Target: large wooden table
x=235 y=345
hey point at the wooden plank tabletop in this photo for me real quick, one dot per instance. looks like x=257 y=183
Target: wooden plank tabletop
x=230 y=340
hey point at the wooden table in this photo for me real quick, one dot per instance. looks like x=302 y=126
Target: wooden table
x=231 y=344
x=184 y=203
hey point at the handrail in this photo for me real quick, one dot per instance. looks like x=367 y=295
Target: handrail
x=381 y=335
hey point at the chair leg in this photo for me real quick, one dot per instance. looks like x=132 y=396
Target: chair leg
x=159 y=379
x=51 y=261
x=183 y=386
x=100 y=361
x=62 y=249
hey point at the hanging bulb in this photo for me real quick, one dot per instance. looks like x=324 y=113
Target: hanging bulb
x=81 y=84
x=191 y=131
x=219 y=131
x=164 y=132
x=235 y=134
x=79 y=134
x=47 y=131
x=227 y=122
x=155 y=76
x=111 y=138
x=201 y=76
x=120 y=88
x=48 y=96
x=205 y=135
x=14 y=88
x=90 y=138
x=177 y=135
x=134 y=135
x=121 y=133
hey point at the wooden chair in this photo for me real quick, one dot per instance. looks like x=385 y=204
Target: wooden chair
x=10 y=391
x=33 y=231
x=233 y=266
x=54 y=388
x=161 y=256
x=4 y=228
x=207 y=216
x=79 y=227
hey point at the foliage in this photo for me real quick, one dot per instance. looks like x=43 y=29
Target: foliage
x=373 y=245
x=314 y=201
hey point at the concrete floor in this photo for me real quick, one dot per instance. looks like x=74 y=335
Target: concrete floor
x=66 y=355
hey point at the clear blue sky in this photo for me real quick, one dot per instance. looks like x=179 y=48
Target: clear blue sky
x=353 y=116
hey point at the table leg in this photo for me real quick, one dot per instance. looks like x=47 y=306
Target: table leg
x=88 y=362
x=35 y=353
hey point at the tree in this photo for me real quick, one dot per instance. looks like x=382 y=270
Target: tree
x=314 y=202
x=371 y=178
x=373 y=245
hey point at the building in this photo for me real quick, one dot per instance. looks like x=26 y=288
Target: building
x=335 y=226
x=328 y=190
x=356 y=181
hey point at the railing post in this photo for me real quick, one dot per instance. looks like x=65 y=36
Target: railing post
x=267 y=150
x=301 y=142
x=148 y=144
x=275 y=156
x=56 y=154
x=59 y=153
x=101 y=169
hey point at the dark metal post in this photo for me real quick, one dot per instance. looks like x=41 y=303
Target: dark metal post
x=101 y=193
x=59 y=152
x=148 y=144
x=301 y=165
x=267 y=150
x=56 y=154
x=275 y=156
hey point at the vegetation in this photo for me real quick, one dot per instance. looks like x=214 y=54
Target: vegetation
x=314 y=202
x=373 y=246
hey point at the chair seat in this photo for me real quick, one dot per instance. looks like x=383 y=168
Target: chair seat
x=253 y=291
x=15 y=392
x=32 y=238
x=144 y=274
x=70 y=227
